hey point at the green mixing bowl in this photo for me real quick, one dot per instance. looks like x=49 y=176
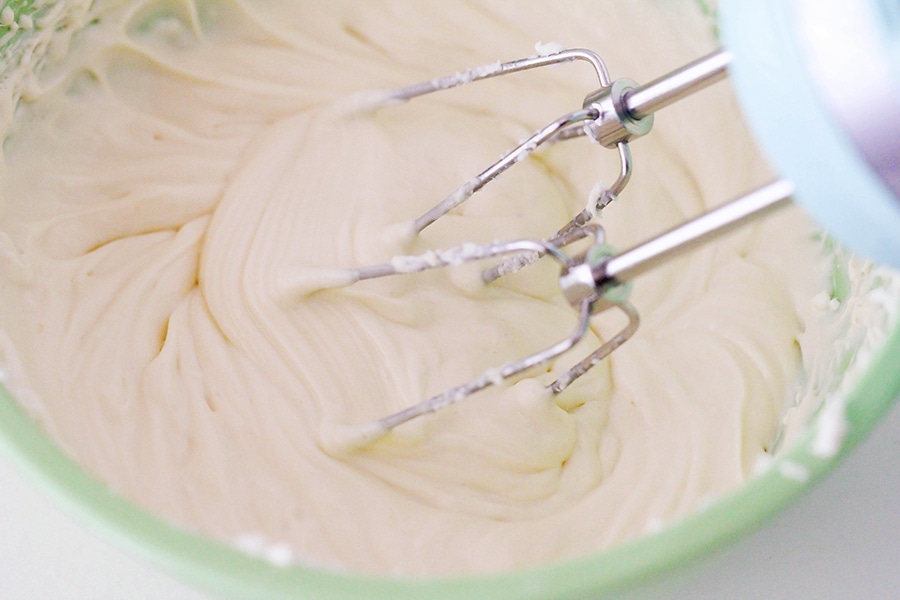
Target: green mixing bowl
x=218 y=568
x=229 y=573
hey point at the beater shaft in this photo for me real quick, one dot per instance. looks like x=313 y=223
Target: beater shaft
x=687 y=236
x=590 y=279
x=646 y=99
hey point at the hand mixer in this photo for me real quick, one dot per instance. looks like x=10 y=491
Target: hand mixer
x=835 y=137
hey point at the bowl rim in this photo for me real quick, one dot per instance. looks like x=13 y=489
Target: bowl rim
x=217 y=567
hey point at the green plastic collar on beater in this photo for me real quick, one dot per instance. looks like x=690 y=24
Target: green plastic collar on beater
x=804 y=140
x=615 y=294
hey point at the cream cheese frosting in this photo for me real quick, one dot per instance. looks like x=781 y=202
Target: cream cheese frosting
x=170 y=181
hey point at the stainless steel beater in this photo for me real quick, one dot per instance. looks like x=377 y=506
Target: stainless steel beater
x=595 y=280
x=818 y=81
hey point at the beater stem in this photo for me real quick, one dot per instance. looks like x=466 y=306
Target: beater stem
x=646 y=99
x=687 y=236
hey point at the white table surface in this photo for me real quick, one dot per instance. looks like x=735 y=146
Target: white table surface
x=840 y=541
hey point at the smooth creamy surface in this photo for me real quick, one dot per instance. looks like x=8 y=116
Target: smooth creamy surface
x=168 y=184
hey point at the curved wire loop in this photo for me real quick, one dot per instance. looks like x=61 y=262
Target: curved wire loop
x=594 y=358
x=563 y=128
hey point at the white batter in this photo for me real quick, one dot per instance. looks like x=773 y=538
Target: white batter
x=166 y=183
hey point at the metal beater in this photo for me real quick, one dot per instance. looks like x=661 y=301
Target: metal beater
x=819 y=82
x=595 y=280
